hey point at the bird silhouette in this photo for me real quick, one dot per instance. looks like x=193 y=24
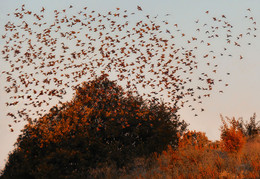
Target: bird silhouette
x=48 y=59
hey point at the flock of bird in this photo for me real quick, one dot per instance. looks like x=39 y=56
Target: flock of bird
x=47 y=59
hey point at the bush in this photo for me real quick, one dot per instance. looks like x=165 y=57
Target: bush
x=193 y=139
x=196 y=157
x=101 y=124
x=232 y=137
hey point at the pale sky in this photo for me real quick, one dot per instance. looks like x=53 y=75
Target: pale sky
x=240 y=99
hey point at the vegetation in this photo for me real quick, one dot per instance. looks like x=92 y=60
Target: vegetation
x=196 y=157
x=104 y=132
x=250 y=128
x=232 y=136
x=101 y=125
x=193 y=160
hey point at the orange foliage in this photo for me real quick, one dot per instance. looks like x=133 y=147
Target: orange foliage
x=189 y=156
x=197 y=140
x=102 y=123
x=197 y=157
x=232 y=138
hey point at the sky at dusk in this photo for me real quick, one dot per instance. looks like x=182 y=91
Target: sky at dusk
x=241 y=98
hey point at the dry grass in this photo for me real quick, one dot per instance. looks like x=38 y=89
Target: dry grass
x=192 y=161
x=209 y=162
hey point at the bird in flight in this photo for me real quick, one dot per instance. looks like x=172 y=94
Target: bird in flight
x=49 y=58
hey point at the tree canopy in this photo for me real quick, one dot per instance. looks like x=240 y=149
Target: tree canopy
x=101 y=123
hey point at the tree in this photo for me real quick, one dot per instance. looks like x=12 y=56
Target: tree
x=102 y=123
x=250 y=128
x=194 y=139
x=232 y=137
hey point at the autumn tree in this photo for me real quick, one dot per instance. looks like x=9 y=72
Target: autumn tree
x=232 y=137
x=102 y=123
x=194 y=139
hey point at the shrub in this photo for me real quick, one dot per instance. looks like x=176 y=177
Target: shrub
x=232 y=137
x=194 y=139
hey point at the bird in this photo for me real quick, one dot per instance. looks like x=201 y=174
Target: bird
x=139 y=8
x=143 y=54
